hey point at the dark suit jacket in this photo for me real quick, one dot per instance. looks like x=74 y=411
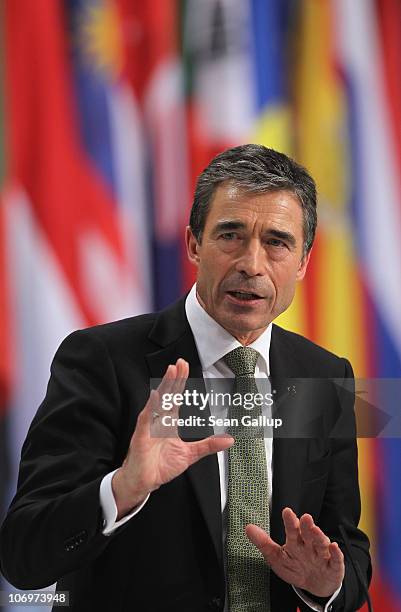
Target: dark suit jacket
x=170 y=556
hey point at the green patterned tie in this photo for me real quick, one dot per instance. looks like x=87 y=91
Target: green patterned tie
x=248 y=496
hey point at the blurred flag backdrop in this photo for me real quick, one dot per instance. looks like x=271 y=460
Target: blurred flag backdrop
x=109 y=109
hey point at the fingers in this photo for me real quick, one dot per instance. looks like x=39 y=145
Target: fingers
x=336 y=557
x=173 y=382
x=181 y=376
x=306 y=534
x=314 y=537
x=291 y=524
x=167 y=383
x=308 y=560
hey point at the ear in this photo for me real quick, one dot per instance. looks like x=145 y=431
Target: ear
x=302 y=266
x=192 y=246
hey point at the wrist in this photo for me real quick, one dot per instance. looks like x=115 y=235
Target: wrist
x=127 y=495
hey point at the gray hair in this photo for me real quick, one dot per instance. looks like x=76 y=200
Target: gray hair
x=255 y=169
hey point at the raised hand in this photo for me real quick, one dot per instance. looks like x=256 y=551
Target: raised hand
x=308 y=560
x=156 y=456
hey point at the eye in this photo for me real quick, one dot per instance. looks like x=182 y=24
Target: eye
x=276 y=242
x=229 y=236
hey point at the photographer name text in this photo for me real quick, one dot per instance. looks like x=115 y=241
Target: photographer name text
x=212 y=421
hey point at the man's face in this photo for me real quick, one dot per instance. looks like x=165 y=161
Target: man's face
x=249 y=259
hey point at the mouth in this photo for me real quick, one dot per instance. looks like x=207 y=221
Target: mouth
x=244 y=297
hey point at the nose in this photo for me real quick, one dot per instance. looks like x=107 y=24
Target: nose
x=252 y=260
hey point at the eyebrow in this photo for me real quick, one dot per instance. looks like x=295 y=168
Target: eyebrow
x=284 y=236
x=229 y=226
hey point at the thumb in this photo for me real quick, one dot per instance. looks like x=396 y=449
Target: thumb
x=257 y=535
x=210 y=445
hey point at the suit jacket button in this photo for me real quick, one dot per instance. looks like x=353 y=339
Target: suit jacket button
x=216 y=604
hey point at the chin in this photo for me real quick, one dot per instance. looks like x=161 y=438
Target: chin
x=244 y=325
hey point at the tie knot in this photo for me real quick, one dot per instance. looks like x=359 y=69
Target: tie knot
x=242 y=361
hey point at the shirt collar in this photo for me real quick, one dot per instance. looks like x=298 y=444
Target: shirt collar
x=212 y=340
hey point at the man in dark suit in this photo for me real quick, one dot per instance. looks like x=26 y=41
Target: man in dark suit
x=128 y=520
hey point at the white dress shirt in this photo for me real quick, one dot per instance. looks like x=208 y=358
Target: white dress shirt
x=213 y=342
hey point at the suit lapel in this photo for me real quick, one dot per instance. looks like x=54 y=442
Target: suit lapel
x=174 y=336
x=289 y=454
